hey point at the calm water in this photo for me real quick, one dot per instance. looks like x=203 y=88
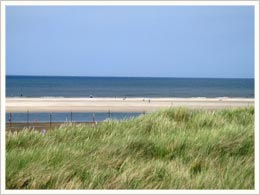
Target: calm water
x=66 y=117
x=38 y=86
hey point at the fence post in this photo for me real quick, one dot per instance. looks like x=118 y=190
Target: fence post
x=70 y=116
x=27 y=118
x=109 y=114
x=50 y=119
x=10 y=119
x=94 y=118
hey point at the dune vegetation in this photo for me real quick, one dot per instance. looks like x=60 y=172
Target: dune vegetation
x=169 y=149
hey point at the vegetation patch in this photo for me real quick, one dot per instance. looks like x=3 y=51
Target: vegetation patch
x=168 y=149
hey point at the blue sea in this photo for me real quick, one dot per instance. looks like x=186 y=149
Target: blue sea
x=51 y=86
x=58 y=86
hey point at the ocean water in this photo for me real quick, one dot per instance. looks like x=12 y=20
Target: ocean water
x=45 y=86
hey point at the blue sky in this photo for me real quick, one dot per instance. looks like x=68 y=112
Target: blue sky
x=166 y=41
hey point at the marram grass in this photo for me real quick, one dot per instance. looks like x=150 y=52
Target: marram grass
x=169 y=149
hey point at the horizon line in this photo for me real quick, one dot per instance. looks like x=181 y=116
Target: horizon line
x=134 y=76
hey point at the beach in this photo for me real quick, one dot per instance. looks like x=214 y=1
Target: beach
x=54 y=104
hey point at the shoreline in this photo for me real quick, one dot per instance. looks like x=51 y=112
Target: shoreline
x=60 y=104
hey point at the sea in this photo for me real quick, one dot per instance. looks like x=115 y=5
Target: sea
x=61 y=86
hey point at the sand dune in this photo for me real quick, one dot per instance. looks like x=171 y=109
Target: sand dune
x=119 y=104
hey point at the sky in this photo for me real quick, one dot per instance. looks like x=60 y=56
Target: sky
x=133 y=41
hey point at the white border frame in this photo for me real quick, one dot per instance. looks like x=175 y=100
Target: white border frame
x=129 y=3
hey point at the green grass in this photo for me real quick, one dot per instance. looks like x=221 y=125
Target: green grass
x=169 y=149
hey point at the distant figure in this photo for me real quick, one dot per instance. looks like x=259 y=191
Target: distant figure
x=149 y=100
x=43 y=131
x=91 y=96
x=21 y=95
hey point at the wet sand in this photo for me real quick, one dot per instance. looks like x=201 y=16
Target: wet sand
x=120 y=104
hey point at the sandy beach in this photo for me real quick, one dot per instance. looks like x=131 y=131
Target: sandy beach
x=119 y=104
